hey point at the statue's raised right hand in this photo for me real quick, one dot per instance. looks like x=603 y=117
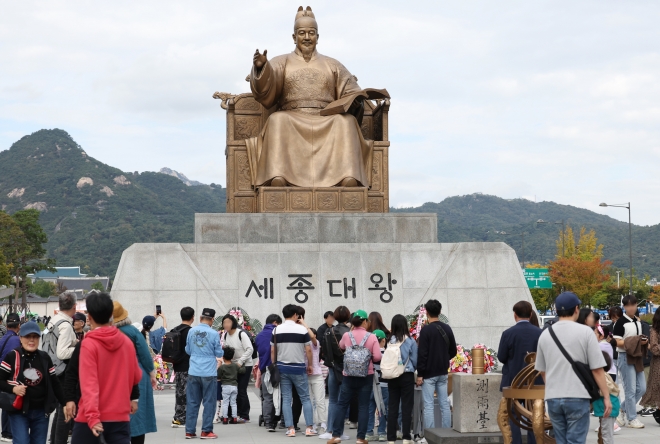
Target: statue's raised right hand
x=259 y=60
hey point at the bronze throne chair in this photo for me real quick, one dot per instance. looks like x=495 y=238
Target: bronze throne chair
x=246 y=118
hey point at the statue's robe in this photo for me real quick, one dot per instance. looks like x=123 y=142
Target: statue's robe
x=297 y=143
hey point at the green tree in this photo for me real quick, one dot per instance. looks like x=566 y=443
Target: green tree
x=98 y=286
x=44 y=289
x=29 y=256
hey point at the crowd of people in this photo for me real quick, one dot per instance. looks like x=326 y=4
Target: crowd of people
x=579 y=360
x=369 y=370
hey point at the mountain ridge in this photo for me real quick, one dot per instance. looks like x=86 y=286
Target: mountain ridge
x=92 y=211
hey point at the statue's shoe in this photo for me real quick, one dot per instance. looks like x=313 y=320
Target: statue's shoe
x=278 y=182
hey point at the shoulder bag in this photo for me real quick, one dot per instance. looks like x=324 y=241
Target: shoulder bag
x=582 y=370
x=337 y=371
x=273 y=369
x=10 y=402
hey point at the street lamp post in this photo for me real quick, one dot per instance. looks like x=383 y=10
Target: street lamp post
x=629 y=236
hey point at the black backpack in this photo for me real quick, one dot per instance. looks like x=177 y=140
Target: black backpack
x=174 y=345
x=251 y=338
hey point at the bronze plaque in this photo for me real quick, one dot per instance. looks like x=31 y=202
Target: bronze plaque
x=327 y=201
x=352 y=201
x=300 y=200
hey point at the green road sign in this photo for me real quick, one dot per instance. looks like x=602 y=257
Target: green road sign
x=537 y=278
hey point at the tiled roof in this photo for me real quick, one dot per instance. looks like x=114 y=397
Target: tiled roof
x=62 y=272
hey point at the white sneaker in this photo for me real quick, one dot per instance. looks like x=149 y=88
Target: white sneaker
x=617 y=429
x=597 y=429
x=635 y=424
x=5 y=439
x=621 y=419
x=352 y=425
x=326 y=435
x=345 y=437
x=217 y=419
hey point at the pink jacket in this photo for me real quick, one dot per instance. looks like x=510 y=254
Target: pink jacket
x=371 y=344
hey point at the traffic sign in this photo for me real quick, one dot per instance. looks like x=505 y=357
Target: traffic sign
x=537 y=278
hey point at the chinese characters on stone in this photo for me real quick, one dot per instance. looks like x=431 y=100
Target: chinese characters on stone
x=482 y=403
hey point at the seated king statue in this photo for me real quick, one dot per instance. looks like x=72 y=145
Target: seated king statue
x=299 y=145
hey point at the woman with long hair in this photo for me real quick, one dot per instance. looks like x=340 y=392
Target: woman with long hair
x=586 y=317
x=334 y=360
x=652 y=396
x=144 y=420
x=356 y=383
x=401 y=389
x=376 y=323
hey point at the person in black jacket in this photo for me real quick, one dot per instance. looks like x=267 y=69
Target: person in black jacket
x=29 y=373
x=181 y=369
x=437 y=346
x=515 y=343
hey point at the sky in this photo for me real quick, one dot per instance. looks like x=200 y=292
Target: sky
x=548 y=101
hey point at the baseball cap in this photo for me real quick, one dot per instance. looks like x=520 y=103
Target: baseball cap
x=208 y=313
x=380 y=334
x=13 y=318
x=361 y=314
x=148 y=321
x=29 y=328
x=567 y=300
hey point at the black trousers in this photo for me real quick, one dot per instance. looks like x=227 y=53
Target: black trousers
x=113 y=432
x=59 y=432
x=242 y=400
x=354 y=408
x=400 y=389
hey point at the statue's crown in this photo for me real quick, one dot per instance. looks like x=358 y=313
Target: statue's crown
x=304 y=13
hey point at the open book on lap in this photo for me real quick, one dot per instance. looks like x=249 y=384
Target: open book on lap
x=342 y=105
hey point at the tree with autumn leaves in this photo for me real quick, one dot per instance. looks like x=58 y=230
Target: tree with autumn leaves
x=578 y=267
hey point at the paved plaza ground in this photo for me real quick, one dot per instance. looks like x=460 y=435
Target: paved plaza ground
x=252 y=433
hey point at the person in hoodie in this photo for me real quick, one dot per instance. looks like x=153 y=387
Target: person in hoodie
x=203 y=347
x=144 y=420
x=262 y=341
x=29 y=373
x=111 y=370
x=9 y=342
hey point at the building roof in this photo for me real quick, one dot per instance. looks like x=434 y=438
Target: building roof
x=85 y=283
x=61 y=272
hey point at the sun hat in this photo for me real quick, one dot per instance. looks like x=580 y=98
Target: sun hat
x=119 y=313
x=380 y=334
x=29 y=328
x=361 y=314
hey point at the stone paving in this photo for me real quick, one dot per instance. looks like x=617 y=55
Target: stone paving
x=252 y=433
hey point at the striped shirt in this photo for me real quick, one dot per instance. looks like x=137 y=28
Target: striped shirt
x=291 y=341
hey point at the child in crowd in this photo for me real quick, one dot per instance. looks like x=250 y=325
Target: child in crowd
x=606 y=431
x=228 y=376
x=603 y=335
x=382 y=414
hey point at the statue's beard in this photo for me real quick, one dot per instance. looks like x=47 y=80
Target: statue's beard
x=307 y=50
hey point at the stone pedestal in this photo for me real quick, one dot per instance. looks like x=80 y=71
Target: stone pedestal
x=476 y=401
x=389 y=263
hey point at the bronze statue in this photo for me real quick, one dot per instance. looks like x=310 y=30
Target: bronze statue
x=313 y=139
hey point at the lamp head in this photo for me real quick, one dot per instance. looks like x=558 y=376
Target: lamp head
x=603 y=204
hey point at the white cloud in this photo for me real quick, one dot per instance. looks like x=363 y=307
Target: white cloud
x=557 y=100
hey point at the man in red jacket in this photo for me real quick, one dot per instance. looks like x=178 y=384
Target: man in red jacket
x=109 y=370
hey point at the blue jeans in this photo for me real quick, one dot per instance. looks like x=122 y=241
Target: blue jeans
x=363 y=386
x=29 y=428
x=437 y=384
x=201 y=390
x=288 y=381
x=570 y=419
x=382 y=417
x=333 y=395
x=634 y=386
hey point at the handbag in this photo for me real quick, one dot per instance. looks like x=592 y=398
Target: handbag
x=273 y=369
x=10 y=402
x=338 y=372
x=582 y=370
